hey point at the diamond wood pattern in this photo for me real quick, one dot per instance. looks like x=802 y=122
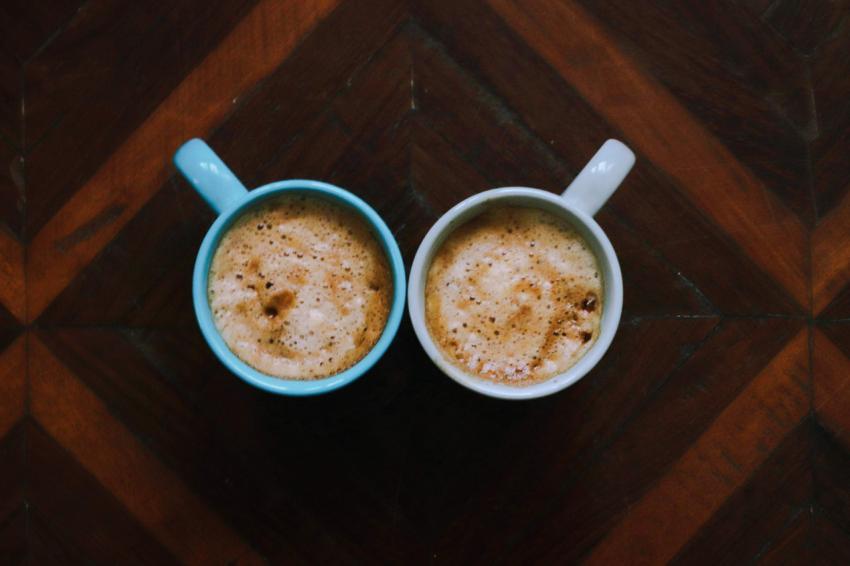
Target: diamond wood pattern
x=715 y=431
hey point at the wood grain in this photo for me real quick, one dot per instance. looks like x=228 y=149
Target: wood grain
x=831 y=256
x=794 y=546
x=12 y=291
x=13 y=476
x=119 y=81
x=93 y=215
x=831 y=86
x=173 y=514
x=831 y=379
x=831 y=498
x=663 y=131
x=118 y=537
x=763 y=516
x=13 y=537
x=12 y=199
x=714 y=431
x=751 y=90
x=561 y=117
x=718 y=462
x=13 y=374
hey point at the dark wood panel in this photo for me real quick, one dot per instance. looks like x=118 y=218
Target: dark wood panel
x=583 y=425
x=13 y=384
x=128 y=57
x=673 y=419
x=101 y=531
x=832 y=494
x=12 y=474
x=830 y=89
x=158 y=245
x=26 y=27
x=839 y=308
x=715 y=430
x=10 y=328
x=794 y=546
x=756 y=7
x=738 y=77
x=11 y=141
x=142 y=164
x=561 y=117
x=125 y=466
x=13 y=507
x=13 y=537
x=831 y=544
x=11 y=189
x=13 y=290
x=267 y=122
x=106 y=361
x=831 y=263
x=830 y=368
x=482 y=129
x=839 y=336
x=47 y=544
x=11 y=100
x=806 y=23
x=654 y=287
x=763 y=519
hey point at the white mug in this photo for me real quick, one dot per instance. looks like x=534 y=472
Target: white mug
x=583 y=198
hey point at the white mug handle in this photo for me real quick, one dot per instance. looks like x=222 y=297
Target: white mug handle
x=595 y=184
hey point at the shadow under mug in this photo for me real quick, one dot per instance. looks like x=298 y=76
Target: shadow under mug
x=220 y=188
x=583 y=198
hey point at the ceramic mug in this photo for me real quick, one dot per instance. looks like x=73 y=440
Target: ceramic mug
x=579 y=202
x=220 y=188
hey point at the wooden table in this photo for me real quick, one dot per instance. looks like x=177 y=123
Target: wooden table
x=716 y=429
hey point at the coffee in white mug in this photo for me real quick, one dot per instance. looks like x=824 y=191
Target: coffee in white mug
x=514 y=295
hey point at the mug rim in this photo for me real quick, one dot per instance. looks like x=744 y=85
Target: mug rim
x=608 y=326
x=203 y=313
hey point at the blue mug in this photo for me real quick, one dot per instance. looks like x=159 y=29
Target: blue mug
x=220 y=188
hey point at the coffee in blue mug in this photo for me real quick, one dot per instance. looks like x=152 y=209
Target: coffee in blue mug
x=299 y=285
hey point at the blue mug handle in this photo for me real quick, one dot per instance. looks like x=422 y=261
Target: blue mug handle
x=213 y=180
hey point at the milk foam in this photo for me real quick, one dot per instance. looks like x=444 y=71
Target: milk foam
x=514 y=296
x=300 y=288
